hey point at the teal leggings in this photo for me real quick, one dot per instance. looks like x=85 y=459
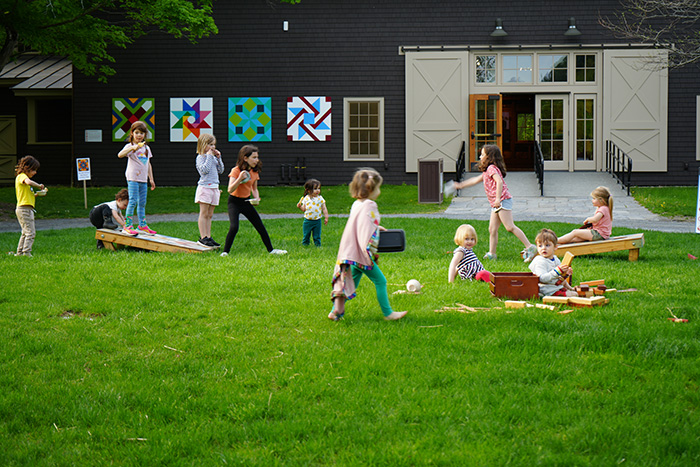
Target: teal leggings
x=377 y=277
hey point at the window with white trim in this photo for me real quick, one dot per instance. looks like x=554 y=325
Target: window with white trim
x=485 y=68
x=553 y=68
x=585 y=68
x=363 y=123
x=517 y=68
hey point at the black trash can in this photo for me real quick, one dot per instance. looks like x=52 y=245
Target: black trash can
x=430 y=181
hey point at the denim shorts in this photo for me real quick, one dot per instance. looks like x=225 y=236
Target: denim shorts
x=506 y=204
x=596 y=235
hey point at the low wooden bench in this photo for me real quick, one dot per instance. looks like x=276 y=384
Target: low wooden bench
x=113 y=239
x=631 y=242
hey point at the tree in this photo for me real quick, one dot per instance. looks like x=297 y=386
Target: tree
x=84 y=30
x=671 y=24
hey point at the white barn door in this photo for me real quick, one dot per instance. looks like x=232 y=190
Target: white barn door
x=636 y=106
x=437 y=104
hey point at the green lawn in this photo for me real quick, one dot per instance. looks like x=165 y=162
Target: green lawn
x=133 y=358
x=65 y=202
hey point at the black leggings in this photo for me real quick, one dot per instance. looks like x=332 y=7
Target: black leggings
x=236 y=207
x=98 y=214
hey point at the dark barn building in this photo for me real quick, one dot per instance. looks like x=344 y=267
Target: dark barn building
x=402 y=80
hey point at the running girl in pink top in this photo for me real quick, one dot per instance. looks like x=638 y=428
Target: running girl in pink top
x=494 y=171
x=599 y=225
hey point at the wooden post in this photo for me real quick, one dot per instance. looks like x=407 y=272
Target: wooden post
x=85 y=193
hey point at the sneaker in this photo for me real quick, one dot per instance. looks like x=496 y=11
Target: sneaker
x=100 y=245
x=146 y=230
x=278 y=252
x=224 y=254
x=130 y=230
x=203 y=241
x=213 y=243
x=529 y=253
x=490 y=256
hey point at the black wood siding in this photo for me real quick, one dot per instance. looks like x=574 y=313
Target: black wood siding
x=339 y=48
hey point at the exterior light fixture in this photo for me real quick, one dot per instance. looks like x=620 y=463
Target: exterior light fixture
x=499 y=31
x=571 y=30
x=285 y=26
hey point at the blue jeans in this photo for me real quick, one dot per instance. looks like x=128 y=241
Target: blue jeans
x=138 y=191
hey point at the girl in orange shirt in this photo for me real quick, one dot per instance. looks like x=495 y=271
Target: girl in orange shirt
x=242 y=183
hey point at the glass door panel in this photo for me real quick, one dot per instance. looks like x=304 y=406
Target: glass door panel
x=485 y=123
x=551 y=116
x=585 y=133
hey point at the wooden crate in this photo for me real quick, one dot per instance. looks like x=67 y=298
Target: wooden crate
x=517 y=285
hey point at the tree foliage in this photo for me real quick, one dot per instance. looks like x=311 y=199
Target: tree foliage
x=84 y=30
x=672 y=24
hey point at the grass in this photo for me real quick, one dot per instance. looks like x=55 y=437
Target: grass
x=671 y=201
x=66 y=202
x=163 y=359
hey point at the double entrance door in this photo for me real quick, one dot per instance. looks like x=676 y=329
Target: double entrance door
x=564 y=124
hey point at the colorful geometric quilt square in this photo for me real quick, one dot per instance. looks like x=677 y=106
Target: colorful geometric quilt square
x=127 y=110
x=191 y=117
x=309 y=118
x=250 y=119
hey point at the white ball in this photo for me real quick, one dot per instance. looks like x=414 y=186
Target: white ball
x=413 y=286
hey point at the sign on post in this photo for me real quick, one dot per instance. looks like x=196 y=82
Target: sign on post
x=83 y=165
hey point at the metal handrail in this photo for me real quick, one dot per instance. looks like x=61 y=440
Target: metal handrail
x=539 y=166
x=618 y=164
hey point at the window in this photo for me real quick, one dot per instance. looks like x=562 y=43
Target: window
x=49 y=120
x=585 y=68
x=553 y=68
x=485 y=68
x=517 y=68
x=584 y=129
x=364 y=129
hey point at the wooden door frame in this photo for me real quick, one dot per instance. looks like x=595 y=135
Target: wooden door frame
x=472 y=124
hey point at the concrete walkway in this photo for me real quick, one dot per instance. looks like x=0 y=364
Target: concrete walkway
x=566 y=199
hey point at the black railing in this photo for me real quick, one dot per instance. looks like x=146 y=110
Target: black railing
x=539 y=166
x=618 y=164
x=461 y=162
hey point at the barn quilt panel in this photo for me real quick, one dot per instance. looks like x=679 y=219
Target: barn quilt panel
x=190 y=117
x=309 y=118
x=250 y=119
x=127 y=110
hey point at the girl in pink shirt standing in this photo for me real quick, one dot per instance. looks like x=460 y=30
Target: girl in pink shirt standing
x=494 y=171
x=599 y=225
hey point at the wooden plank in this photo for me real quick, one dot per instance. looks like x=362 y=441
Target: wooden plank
x=150 y=242
x=631 y=242
x=568 y=258
x=555 y=300
x=585 y=301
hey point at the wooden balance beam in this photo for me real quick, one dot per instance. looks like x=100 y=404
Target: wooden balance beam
x=112 y=239
x=624 y=242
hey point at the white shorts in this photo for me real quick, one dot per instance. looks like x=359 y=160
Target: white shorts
x=207 y=195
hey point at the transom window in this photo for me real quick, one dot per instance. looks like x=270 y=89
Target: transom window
x=553 y=68
x=585 y=68
x=517 y=68
x=364 y=129
x=507 y=68
x=485 y=68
